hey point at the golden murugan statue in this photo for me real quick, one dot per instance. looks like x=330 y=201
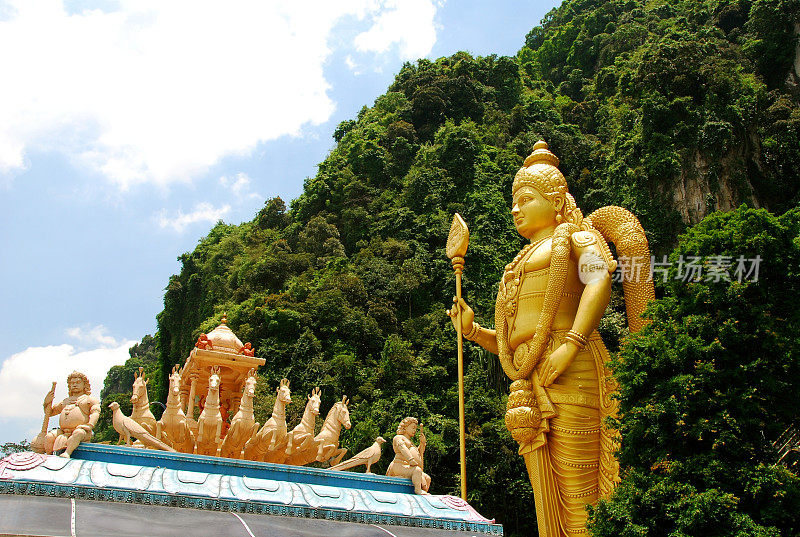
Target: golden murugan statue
x=550 y=300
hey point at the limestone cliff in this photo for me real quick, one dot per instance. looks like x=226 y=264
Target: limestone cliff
x=717 y=184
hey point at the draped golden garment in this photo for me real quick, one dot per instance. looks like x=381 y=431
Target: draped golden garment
x=573 y=463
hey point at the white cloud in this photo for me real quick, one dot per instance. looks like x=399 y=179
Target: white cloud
x=239 y=185
x=351 y=64
x=409 y=24
x=203 y=212
x=92 y=335
x=155 y=91
x=26 y=377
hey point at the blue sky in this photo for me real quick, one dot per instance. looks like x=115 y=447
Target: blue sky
x=127 y=128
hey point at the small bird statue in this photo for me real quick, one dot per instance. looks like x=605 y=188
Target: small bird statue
x=127 y=427
x=369 y=457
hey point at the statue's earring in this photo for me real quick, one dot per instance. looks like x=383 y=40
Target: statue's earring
x=558 y=205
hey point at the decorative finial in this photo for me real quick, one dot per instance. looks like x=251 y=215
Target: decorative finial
x=541 y=154
x=225 y=318
x=458 y=239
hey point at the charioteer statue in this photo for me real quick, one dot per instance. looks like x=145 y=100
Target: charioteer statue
x=77 y=415
x=409 y=459
x=549 y=303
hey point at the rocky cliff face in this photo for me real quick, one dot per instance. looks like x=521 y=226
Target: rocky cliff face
x=707 y=185
x=711 y=182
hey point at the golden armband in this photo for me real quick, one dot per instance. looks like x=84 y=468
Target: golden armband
x=579 y=340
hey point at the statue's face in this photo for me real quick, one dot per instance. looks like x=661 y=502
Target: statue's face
x=76 y=386
x=411 y=429
x=531 y=211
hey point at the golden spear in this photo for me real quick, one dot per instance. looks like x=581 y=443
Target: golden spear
x=457 y=243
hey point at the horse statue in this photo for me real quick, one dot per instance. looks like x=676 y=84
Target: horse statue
x=325 y=446
x=173 y=428
x=209 y=424
x=244 y=424
x=267 y=445
x=141 y=404
x=303 y=434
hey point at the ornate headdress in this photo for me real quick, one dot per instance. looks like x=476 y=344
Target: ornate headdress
x=541 y=172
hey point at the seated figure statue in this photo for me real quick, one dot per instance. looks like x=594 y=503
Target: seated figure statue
x=408 y=457
x=78 y=415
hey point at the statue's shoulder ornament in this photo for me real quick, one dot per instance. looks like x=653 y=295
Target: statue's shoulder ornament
x=592 y=251
x=583 y=239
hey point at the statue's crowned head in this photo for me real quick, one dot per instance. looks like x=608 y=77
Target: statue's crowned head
x=540 y=171
x=87 y=387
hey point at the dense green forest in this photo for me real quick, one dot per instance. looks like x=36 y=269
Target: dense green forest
x=680 y=111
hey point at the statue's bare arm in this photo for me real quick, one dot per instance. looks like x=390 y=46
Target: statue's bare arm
x=597 y=279
x=56 y=409
x=94 y=412
x=487 y=338
x=402 y=448
x=593 y=272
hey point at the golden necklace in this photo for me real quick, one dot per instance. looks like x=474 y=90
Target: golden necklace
x=511 y=280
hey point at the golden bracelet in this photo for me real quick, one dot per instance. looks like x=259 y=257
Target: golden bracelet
x=473 y=333
x=578 y=339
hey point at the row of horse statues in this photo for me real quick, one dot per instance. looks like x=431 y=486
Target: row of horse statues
x=245 y=437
